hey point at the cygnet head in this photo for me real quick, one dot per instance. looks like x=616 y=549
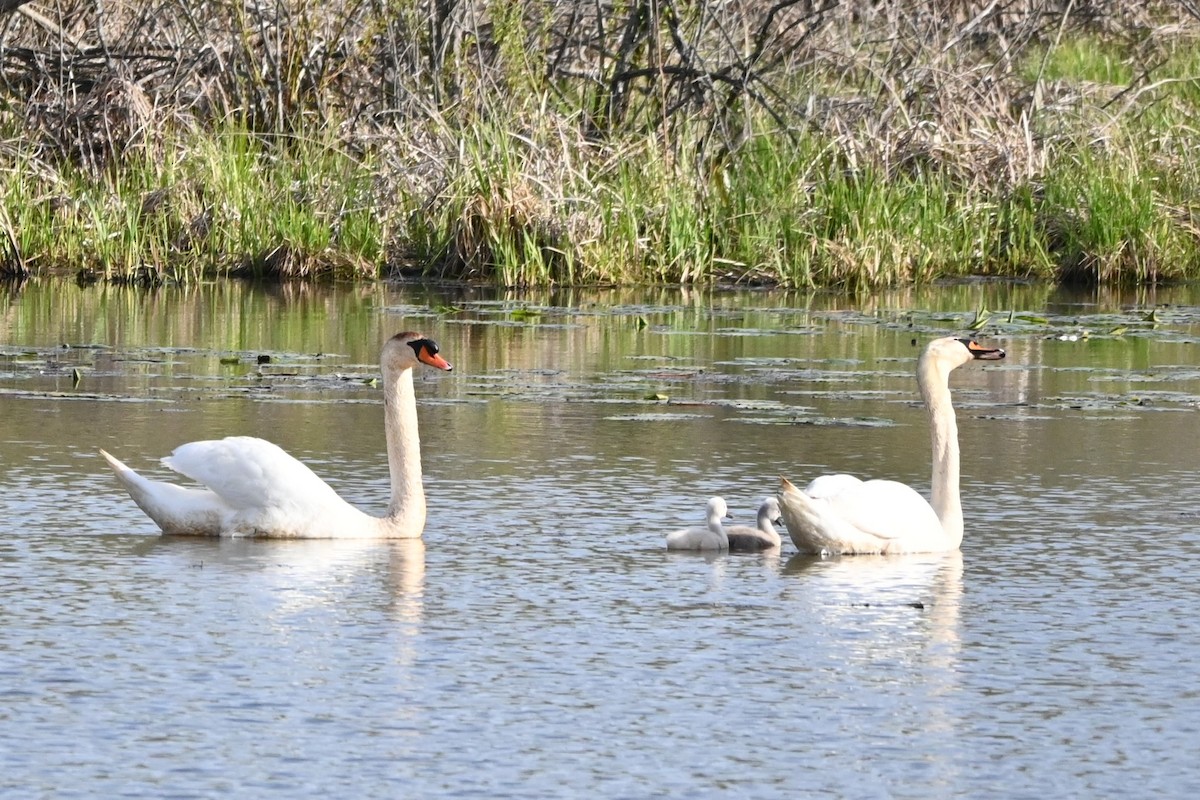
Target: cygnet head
x=406 y=350
x=716 y=508
x=770 y=508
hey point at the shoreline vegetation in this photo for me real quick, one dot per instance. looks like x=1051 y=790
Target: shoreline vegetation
x=800 y=143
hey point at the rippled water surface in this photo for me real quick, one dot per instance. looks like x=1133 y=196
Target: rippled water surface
x=540 y=642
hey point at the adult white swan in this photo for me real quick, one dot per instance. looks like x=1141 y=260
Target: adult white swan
x=762 y=537
x=841 y=514
x=710 y=537
x=254 y=488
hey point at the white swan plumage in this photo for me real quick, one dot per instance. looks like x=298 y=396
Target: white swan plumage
x=840 y=514
x=254 y=488
x=710 y=537
x=763 y=536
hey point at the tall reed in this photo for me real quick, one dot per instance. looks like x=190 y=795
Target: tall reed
x=855 y=144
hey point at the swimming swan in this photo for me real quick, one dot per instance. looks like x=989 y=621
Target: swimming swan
x=254 y=488
x=711 y=537
x=841 y=514
x=763 y=537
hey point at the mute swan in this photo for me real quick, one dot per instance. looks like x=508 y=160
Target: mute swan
x=254 y=488
x=711 y=537
x=839 y=514
x=764 y=537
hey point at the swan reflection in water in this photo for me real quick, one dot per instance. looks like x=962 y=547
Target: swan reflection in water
x=347 y=571
x=890 y=608
x=887 y=626
x=304 y=574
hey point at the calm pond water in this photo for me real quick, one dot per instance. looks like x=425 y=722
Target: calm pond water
x=540 y=643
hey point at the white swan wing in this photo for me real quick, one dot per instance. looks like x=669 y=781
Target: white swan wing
x=249 y=473
x=831 y=485
x=867 y=517
x=885 y=509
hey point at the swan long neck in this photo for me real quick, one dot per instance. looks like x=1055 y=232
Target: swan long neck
x=407 y=508
x=934 y=382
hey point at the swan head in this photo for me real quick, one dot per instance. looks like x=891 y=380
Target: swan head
x=406 y=350
x=952 y=351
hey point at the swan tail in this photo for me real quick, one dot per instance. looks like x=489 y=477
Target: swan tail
x=815 y=527
x=134 y=483
x=117 y=465
x=801 y=518
x=174 y=509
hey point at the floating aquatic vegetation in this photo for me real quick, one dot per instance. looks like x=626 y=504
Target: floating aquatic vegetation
x=655 y=417
x=36 y=394
x=844 y=422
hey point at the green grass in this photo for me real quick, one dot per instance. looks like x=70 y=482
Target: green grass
x=869 y=160
x=1108 y=222
x=219 y=204
x=777 y=211
x=1081 y=58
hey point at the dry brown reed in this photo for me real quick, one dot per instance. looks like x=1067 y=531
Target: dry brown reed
x=897 y=88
